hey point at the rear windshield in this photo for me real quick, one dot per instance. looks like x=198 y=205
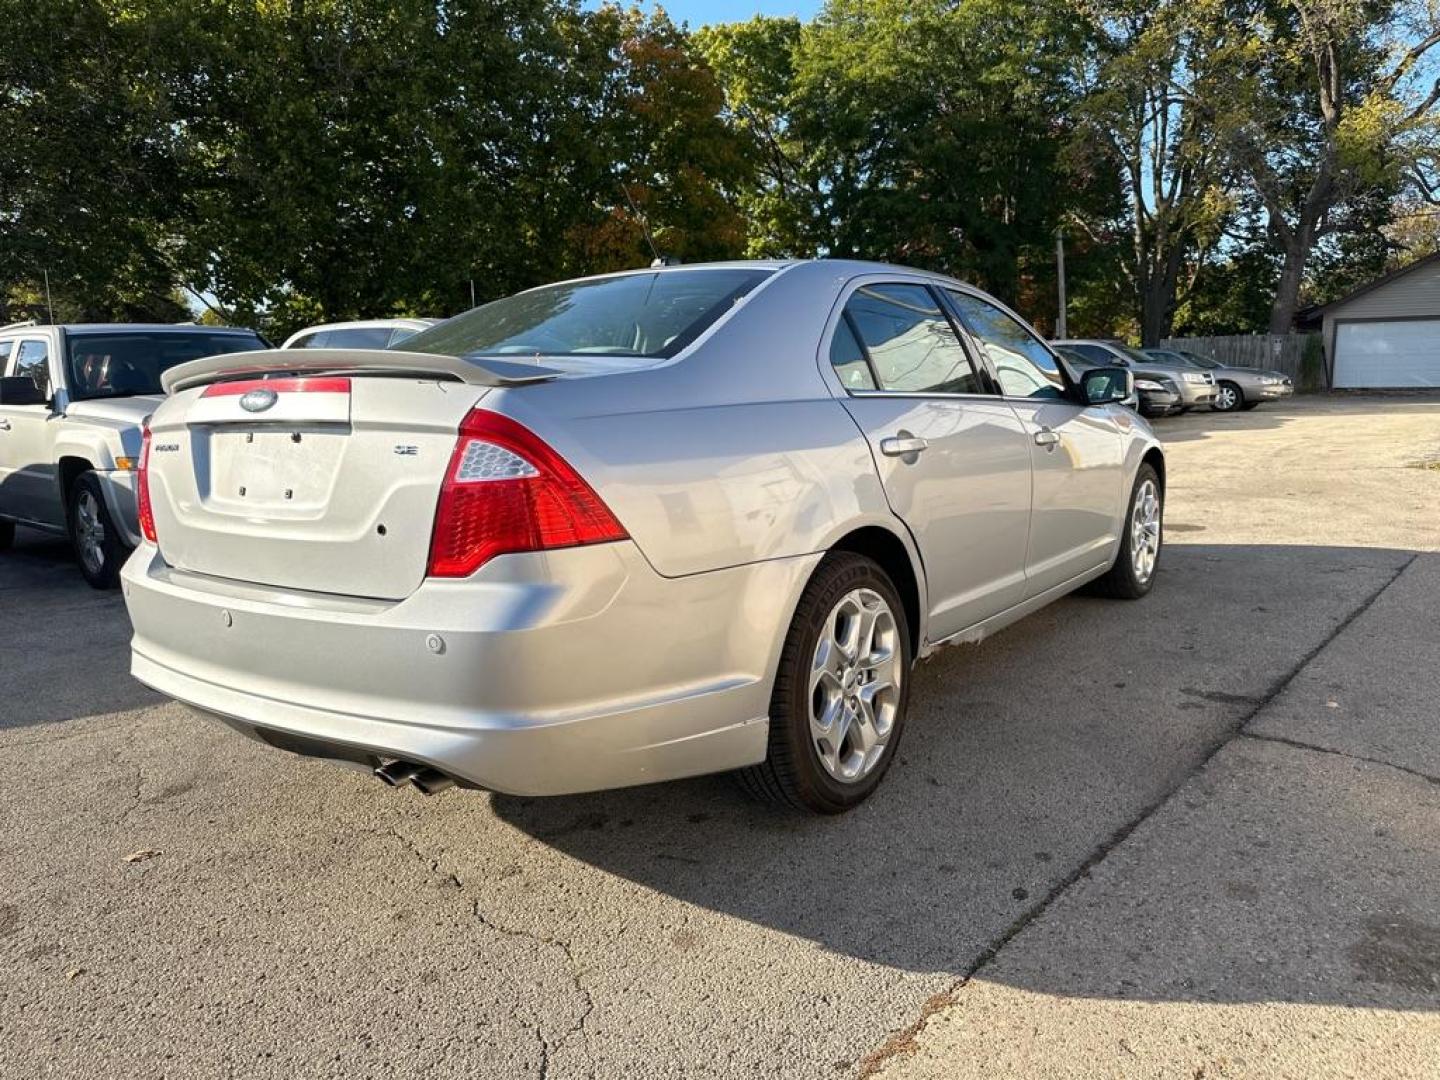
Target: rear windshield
x=120 y=364
x=642 y=315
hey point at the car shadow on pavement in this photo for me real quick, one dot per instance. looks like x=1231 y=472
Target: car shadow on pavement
x=64 y=647
x=1028 y=759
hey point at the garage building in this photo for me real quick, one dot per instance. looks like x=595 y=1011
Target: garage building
x=1386 y=334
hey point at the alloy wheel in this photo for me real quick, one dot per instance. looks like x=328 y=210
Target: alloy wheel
x=1226 y=398
x=1145 y=530
x=855 y=685
x=90 y=532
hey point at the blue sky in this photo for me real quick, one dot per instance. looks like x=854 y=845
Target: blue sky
x=700 y=12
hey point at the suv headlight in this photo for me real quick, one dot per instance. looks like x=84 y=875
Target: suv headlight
x=1195 y=377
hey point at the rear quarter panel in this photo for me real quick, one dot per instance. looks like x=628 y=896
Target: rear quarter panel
x=735 y=453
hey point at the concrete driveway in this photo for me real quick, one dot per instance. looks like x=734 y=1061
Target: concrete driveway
x=1194 y=835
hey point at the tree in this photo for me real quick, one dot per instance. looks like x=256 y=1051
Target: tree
x=1146 y=115
x=1326 y=106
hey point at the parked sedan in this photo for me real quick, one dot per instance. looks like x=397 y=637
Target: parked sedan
x=1155 y=394
x=630 y=528
x=1235 y=387
x=1196 y=387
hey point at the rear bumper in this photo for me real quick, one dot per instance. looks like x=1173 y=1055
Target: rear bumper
x=570 y=671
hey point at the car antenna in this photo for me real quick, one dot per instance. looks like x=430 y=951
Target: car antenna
x=644 y=228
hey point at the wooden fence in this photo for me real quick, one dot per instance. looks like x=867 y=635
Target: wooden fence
x=1277 y=352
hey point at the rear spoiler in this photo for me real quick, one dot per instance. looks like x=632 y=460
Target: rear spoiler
x=486 y=371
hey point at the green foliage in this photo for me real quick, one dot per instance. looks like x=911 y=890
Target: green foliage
x=281 y=162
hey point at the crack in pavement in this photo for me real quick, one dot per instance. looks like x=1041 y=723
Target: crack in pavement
x=578 y=1028
x=905 y=1041
x=1299 y=745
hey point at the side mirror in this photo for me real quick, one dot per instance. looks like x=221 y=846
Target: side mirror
x=21 y=390
x=1107 y=385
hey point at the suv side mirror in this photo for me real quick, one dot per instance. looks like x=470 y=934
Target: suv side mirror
x=1107 y=385
x=21 y=390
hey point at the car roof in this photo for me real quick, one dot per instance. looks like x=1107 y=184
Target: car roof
x=146 y=328
x=367 y=324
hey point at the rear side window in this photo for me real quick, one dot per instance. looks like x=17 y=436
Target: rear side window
x=308 y=341
x=401 y=333
x=6 y=347
x=848 y=359
x=33 y=362
x=910 y=343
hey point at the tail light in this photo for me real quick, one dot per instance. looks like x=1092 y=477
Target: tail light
x=506 y=490
x=142 y=488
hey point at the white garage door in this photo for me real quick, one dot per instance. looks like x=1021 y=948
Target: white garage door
x=1376 y=354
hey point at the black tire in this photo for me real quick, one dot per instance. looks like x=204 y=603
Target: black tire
x=7 y=534
x=792 y=773
x=98 y=547
x=1239 y=400
x=1123 y=581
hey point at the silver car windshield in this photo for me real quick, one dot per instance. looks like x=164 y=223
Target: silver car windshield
x=650 y=316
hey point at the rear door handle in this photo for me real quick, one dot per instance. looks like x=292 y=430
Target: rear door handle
x=1046 y=437
x=896 y=446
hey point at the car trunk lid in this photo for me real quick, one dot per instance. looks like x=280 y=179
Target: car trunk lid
x=316 y=474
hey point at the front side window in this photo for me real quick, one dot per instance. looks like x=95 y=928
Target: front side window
x=121 y=364
x=644 y=315
x=910 y=343
x=32 y=361
x=1025 y=367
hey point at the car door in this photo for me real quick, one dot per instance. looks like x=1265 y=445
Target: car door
x=954 y=459
x=1077 y=450
x=28 y=487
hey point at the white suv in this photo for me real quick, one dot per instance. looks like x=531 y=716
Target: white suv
x=72 y=402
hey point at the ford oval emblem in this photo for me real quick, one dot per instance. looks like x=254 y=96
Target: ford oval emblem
x=258 y=400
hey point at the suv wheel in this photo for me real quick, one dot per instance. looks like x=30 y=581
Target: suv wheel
x=838 y=707
x=1133 y=572
x=97 y=542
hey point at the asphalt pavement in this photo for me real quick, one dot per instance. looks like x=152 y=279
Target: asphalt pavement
x=1122 y=839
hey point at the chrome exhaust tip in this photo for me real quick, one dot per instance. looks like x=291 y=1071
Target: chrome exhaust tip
x=397 y=773
x=430 y=781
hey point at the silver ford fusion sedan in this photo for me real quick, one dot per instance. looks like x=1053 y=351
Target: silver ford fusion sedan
x=629 y=528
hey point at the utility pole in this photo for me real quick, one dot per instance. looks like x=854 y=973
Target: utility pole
x=1060 y=278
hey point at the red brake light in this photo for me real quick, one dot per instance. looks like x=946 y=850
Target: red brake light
x=317 y=384
x=142 y=488
x=506 y=490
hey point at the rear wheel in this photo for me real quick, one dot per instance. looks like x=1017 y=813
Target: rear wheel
x=1133 y=572
x=838 y=706
x=97 y=542
x=1228 y=397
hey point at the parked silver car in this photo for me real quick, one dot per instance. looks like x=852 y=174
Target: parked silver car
x=1197 y=387
x=1235 y=387
x=630 y=528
